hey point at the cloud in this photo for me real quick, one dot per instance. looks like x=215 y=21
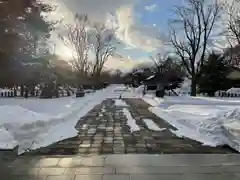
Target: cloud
x=133 y=33
x=124 y=64
x=96 y=9
x=120 y=13
x=150 y=8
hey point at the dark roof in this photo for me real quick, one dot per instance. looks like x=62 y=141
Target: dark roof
x=233 y=68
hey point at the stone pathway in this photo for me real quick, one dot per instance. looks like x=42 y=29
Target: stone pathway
x=104 y=130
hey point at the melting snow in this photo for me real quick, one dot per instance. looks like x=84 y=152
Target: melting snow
x=152 y=125
x=131 y=122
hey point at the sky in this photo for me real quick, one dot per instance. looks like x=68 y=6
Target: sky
x=140 y=24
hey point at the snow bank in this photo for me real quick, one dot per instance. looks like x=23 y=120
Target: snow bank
x=152 y=100
x=233 y=90
x=6 y=139
x=210 y=125
x=188 y=100
x=130 y=121
x=34 y=123
x=211 y=121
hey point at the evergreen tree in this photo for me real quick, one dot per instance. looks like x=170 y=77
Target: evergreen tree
x=213 y=75
x=21 y=28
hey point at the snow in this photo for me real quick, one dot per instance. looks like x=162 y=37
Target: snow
x=131 y=122
x=6 y=140
x=34 y=123
x=151 y=100
x=185 y=87
x=233 y=90
x=150 y=77
x=120 y=102
x=4 y=90
x=152 y=125
x=211 y=121
x=187 y=100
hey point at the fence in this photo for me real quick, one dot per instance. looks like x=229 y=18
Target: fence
x=217 y=94
x=36 y=93
x=226 y=94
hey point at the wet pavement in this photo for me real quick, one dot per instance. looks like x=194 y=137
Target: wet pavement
x=124 y=167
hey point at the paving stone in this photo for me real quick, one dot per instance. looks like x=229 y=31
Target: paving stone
x=131 y=150
x=83 y=150
x=46 y=162
x=90 y=170
x=84 y=145
x=62 y=177
x=94 y=150
x=52 y=171
x=169 y=170
x=38 y=178
x=96 y=145
x=70 y=162
x=24 y=171
x=93 y=161
x=158 y=177
x=107 y=150
x=23 y=177
x=88 y=177
x=209 y=177
x=116 y=177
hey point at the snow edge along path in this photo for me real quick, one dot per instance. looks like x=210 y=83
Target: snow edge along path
x=152 y=125
x=130 y=121
x=31 y=134
x=71 y=120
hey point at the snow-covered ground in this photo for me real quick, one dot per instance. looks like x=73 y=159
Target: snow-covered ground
x=34 y=123
x=211 y=121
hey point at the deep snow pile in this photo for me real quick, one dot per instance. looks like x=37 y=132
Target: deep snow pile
x=233 y=90
x=211 y=121
x=35 y=123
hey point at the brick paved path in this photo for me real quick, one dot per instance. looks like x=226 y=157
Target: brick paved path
x=104 y=130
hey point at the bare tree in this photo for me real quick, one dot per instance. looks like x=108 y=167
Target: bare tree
x=158 y=62
x=77 y=40
x=102 y=46
x=232 y=32
x=197 y=20
x=233 y=23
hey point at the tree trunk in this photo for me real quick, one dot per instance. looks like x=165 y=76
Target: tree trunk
x=22 y=90
x=193 y=87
